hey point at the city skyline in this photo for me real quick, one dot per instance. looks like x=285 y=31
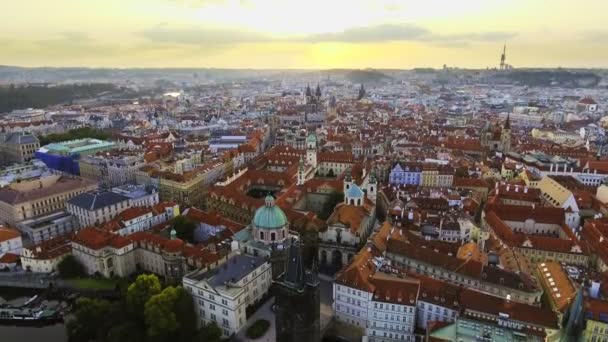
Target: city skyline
x=314 y=34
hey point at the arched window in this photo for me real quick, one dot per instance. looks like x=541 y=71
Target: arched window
x=352 y=201
x=273 y=236
x=261 y=235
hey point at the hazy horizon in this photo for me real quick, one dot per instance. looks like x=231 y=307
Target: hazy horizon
x=306 y=35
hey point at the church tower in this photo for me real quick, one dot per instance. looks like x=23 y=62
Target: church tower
x=348 y=180
x=311 y=150
x=297 y=300
x=505 y=136
x=301 y=173
x=372 y=186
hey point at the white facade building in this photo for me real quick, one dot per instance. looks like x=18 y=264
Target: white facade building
x=222 y=294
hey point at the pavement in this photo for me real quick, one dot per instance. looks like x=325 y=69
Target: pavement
x=264 y=312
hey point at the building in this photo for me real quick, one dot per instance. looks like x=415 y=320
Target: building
x=10 y=241
x=104 y=253
x=139 y=219
x=471 y=273
x=405 y=173
x=111 y=169
x=18 y=147
x=64 y=156
x=187 y=187
x=28 y=199
x=559 y=196
x=45 y=256
x=557 y=285
x=97 y=207
x=383 y=306
x=539 y=233
x=222 y=294
x=49 y=226
x=350 y=223
x=497 y=138
x=596 y=320
x=139 y=195
x=297 y=301
x=437 y=176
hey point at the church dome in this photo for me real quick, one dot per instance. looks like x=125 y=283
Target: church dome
x=311 y=138
x=269 y=216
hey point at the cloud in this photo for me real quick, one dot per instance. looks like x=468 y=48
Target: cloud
x=407 y=32
x=595 y=36
x=203 y=36
x=76 y=36
x=368 y=34
x=379 y=33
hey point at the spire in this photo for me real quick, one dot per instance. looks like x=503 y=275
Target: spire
x=503 y=57
x=361 y=92
x=318 y=92
x=308 y=91
x=508 y=121
x=295 y=268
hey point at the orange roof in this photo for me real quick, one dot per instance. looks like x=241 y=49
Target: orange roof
x=9 y=258
x=8 y=234
x=357 y=274
x=349 y=215
x=94 y=238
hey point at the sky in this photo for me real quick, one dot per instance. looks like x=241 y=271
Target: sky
x=303 y=34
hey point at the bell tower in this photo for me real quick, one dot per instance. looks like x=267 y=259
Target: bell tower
x=505 y=135
x=311 y=150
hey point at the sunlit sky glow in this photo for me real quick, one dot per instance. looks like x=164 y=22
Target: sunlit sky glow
x=303 y=33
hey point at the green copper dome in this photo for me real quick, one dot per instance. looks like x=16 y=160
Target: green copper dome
x=311 y=138
x=269 y=216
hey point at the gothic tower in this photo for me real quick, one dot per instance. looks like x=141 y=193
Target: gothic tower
x=505 y=136
x=297 y=300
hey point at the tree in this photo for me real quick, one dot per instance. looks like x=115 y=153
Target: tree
x=70 y=267
x=128 y=331
x=257 y=329
x=330 y=173
x=185 y=312
x=184 y=227
x=329 y=205
x=145 y=287
x=161 y=320
x=209 y=333
x=91 y=320
x=462 y=172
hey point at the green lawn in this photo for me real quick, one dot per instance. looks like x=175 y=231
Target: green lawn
x=93 y=284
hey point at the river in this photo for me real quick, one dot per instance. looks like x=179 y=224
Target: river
x=8 y=333
x=52 y=333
